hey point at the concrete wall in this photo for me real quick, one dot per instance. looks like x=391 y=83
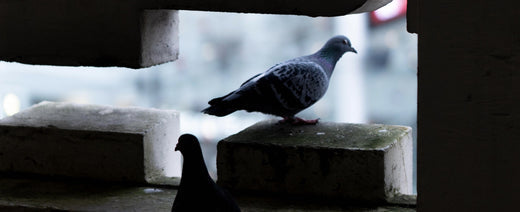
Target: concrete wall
x=469 y=86
x=128 y=33
x=87 y=33
x=468 y=104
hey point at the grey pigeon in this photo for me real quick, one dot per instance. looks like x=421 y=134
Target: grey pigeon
x=286 y=88
x=197 y=191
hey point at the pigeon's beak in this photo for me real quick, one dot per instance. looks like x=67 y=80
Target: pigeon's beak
x=353 y=50
x=177 y=147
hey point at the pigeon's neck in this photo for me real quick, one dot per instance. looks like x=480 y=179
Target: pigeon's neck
x=194 y=167
x=327 y=59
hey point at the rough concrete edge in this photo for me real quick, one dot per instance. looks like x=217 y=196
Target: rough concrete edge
x=281 y=8
x=28 y=208
x=66 y=175
x=321 y=147
x=268 y=122
x=370 y=6
x=388 y=191
x=406 y=132
x=405 y=150
x=159 y=37
x=405 y=200
x=14 y=118
x=156 y=179
x=152 y=165
x=378 y=199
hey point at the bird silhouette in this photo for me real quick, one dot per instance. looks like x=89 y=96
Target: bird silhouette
x=197 y=191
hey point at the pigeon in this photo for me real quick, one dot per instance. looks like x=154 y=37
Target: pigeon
x=197 y=191
x=286 y=88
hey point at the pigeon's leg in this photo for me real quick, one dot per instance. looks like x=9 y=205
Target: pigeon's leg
x=298 y=121
x=286 y=119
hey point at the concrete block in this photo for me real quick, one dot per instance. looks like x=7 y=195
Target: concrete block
x=159 y=37
x=87 y=33
x=40 y=195
x=294 y=7
x=90 y=141
x=134 y=34
x=335 y=161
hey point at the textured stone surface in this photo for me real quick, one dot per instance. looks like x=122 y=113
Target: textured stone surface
x=135 y=33
x=46 y=195
x=355 y=162
x=295 y=7
x=87 y=33
x=81 y=196
x=468 y=114
x=159 y=37
x=90 y=141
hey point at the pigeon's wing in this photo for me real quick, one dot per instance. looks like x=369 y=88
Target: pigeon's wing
x=249 y=80
x=283 y=90
x=180 y=203
x=225 y=202
x=295 y=85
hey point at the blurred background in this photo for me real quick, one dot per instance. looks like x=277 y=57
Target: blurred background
x=219 y=51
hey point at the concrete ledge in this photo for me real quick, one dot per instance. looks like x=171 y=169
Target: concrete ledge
x=293 y=7
x=47 y=195
x=90 y=141
x=352 y=162
x=20 y=194
x=87 y=33
x=134 y=34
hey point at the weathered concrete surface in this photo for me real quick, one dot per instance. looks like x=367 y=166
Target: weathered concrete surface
x=87 y=33
x=293 y=7
x=352 y=162
x=128 y=33
x=468 y=114
x=81 y=196
x=90 y=141
x=46 y=195
x=159 y=37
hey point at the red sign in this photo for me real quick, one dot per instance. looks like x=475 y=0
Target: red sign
x=391 y=11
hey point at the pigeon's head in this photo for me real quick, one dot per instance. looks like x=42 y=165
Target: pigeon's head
x=187 y=143
x=339 y=44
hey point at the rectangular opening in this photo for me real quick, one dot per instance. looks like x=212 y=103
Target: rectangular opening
x=221 y=50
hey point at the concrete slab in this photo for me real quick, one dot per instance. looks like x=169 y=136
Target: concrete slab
x=91 y=141
x=87 y=33
x=293 y=7
x=347 y=162
x=134 y=34
x=48 y=195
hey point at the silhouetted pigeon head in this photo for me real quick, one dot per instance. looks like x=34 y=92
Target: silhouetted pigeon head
x=187 y=143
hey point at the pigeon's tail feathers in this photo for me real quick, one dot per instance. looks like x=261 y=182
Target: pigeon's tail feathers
x=218 y=110
x=218 y=100
x=219 y=106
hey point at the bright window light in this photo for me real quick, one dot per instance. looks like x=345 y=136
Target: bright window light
x=11 y=104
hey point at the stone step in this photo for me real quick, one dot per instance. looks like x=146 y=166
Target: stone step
x=90 y=141
x=346 y=162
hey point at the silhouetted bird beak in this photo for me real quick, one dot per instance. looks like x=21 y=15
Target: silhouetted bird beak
x=176 y=147
x=353 y=50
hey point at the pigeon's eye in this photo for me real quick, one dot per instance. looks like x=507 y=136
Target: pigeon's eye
x=345 y=42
